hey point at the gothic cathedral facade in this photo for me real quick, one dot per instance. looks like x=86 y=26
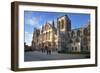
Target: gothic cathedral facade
x=59 y=36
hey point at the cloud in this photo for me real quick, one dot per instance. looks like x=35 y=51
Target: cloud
x=50 y=21
x=31 y=21
x=28 y=38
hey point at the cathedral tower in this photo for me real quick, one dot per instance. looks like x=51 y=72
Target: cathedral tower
x=63 y=26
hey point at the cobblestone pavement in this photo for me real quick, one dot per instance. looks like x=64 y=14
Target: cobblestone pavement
x=39 y=56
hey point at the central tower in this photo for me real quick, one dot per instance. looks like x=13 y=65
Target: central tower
x=63 y=26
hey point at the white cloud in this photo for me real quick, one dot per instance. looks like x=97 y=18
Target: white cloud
x=32 y=21
x=28 y=38
x=40 y=27
x=49 y=22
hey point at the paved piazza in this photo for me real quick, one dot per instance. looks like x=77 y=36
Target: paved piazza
x=39 y=56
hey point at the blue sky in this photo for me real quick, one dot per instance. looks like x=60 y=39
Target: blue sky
x=36 y=19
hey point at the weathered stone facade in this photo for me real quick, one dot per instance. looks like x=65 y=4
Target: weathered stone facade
x=62 y=37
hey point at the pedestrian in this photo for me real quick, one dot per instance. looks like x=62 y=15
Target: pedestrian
x=42 y=50
x=46 y=48
x=49 y=50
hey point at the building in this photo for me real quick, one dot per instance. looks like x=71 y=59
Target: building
x=79 y=39
x=26 y=47
x=61 y=37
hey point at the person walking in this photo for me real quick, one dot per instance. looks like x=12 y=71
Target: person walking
x=46 y=48
x=49 y=50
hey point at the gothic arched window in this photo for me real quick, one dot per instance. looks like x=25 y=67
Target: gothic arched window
x=72 y=33
x=58 y=24
x=78 y=33
x=46 y=27
x=75 y=48
x=70 y=41
x=77 y=39
x=62 y=24
x=85 y=31
x=49 y=35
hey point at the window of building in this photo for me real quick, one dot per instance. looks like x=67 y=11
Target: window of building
x=85 y=31
x=58 y=24
x=85 y=41
x=46 y=27
x=72 y=33
x=70 y=41
x=72 y=48
x=87 y=48
x=49 y=35
x=42 y=37
x=75 y=48
x=77 y=39
x=62 y=24
x=46 y=36
x=78 y=33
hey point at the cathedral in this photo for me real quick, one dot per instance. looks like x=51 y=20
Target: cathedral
x=62 y=37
